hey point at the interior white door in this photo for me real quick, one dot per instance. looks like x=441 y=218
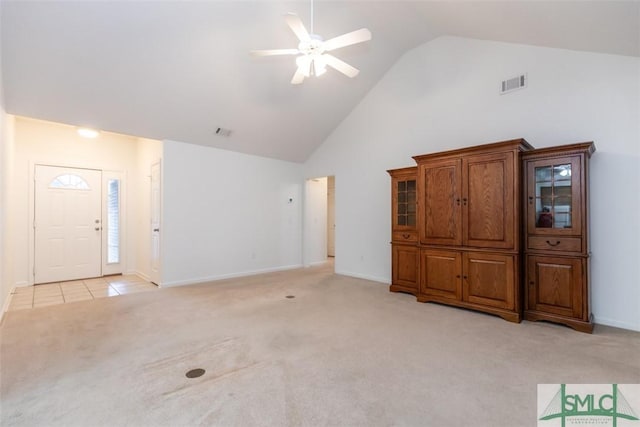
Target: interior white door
x=155 y=222
x=331 y=216
x=67 y=224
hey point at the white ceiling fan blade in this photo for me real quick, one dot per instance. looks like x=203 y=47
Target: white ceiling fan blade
x=269 y=52
x=341 y=66
x=298 y=77
x=357 y=36
x=297 y=26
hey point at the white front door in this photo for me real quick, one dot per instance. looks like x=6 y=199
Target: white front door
x=68 y=224
x=155 y=223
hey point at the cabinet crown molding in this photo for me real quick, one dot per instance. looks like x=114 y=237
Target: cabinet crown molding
x=519 y=144
x=587 y=148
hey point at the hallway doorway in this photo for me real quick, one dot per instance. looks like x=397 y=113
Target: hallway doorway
x=331 y=216
x=320 y=221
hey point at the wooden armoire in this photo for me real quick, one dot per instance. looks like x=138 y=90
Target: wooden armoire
x=458 y=231
x=468 y=227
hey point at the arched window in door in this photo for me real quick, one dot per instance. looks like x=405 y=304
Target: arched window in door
x=69 y=181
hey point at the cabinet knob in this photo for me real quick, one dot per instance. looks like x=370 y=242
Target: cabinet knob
x=531 y=283
x=464 y=277
x=458 y=202
x=530 y=200
x=406 y=236
x=458 y=276
x=464 y=201
x=553 y=244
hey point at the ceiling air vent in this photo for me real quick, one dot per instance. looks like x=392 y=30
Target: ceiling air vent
x=223 y=132
x=513 y=83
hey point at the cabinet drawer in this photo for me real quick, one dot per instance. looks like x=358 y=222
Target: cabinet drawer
x=552 y=243
x=404 y=236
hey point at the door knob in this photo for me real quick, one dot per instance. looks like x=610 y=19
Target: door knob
x=97 y=228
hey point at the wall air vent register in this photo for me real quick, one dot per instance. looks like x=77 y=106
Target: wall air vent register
x=514 y=83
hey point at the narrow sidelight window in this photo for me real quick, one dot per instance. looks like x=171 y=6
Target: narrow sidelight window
x=113 y=221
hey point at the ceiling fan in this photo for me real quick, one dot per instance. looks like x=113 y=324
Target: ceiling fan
x=312 y=50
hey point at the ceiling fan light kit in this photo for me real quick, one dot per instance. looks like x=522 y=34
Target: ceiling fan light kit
x=312 y=59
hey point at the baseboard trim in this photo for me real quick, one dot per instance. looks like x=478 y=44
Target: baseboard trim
x=197 y=280
x=7 y=303
x=384 y=280
x=138 y=273
x=316 y=263
x=615 y=323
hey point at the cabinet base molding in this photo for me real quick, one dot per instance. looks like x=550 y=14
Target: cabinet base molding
x=510 y=316
x=405 y=289
x=578 y=325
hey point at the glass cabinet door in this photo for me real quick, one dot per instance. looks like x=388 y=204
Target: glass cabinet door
x=406 y=203
x=553 y=189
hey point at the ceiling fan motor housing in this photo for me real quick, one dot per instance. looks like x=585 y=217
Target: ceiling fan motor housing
x=314 y=45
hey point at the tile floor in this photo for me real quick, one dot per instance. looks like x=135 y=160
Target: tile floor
x=77 y=290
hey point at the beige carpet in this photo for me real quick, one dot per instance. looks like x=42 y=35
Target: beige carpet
x=343 y=352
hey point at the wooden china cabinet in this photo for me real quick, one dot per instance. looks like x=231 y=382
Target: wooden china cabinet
x=557 y=244
x=404 y=234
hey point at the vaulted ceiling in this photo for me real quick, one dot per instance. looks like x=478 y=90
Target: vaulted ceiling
x=179 y=70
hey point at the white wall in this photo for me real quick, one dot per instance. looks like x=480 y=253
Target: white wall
x=6 y=168
x=444 y=95
x=5 y=156
x=44 y=142
x=7 y=147
x=227 y=214
x=315 y=221
x=5 y=287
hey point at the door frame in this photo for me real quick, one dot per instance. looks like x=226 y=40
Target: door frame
x=155 y=277
x=123 y=211
x=331 y=214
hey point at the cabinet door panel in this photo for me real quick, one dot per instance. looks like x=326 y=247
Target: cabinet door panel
x=440 y=271
x=488 y=201
x=555 y=285
x=440 y=189
x=405 y=265
x=554 y=196
x=489 y=279
x=403 y=202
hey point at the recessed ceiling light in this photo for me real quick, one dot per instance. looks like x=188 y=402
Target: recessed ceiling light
x=88 y=133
